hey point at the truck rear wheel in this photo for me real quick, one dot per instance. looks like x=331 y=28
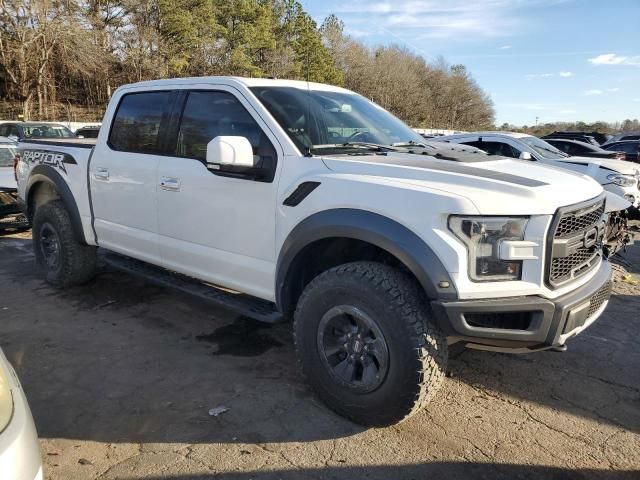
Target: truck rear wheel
x=366 y=344
x=63 y=260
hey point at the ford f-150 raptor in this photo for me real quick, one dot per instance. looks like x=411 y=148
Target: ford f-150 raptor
x=295 y=200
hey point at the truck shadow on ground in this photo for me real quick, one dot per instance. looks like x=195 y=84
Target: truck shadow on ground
x=120 y=360
x=438 y=470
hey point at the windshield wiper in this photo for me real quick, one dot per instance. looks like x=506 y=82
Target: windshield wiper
x=365 y=145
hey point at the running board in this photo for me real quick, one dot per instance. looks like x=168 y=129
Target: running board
x=240 y=303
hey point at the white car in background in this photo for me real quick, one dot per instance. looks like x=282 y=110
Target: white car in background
x=7 y=153
x=11 y=217
x=616 y=176
x=20 y=457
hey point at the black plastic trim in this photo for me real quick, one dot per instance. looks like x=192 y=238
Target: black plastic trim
x=300 y=193
x=549 y=319
x=55 y=143
x=373 y=228
x=47 y=174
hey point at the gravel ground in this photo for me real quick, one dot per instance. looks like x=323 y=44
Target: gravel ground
x=120 y=375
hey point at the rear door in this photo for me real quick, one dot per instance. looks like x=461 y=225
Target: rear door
x=123 y=174
x=215 y=226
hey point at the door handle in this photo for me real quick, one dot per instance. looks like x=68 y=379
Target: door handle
x=170 y=184
x=101 y=174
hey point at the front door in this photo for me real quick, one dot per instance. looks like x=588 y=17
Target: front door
x=213 y=226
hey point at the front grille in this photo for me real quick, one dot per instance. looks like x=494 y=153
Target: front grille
x=564 y=268
x=576 y=242
x=598 y=299
x=574 y=222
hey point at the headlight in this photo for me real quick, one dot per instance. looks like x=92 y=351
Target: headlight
x=622 y=180
x=482 y=236
x=6 y=401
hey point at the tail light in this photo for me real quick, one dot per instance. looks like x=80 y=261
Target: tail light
x=16 y=159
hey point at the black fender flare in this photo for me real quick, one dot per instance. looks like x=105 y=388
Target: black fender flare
x=375 y=229
x=49 y=175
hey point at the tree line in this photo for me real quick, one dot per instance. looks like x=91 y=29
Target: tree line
x=63 y=58
x=627 y=125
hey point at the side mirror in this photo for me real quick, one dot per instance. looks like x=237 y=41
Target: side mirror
x=229 y=151
x=525 y=156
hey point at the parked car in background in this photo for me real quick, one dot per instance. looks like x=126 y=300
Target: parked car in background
x=8 y=149
x=630 y=148
x=616 y=176
x=624 y=136
x=595 y=138
x=20 y=457
x=89 y=131
x=582 y=149
x=11 y=218
x=29 y=130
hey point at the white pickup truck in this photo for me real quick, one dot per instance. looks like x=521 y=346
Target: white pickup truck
x=308 y=202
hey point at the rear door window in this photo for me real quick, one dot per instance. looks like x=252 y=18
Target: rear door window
x=137 y=122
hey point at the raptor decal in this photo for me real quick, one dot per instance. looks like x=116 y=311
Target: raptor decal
x=54 y=159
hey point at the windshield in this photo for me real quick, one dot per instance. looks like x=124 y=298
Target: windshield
x=47 y=131
x=6 y=156
x=543 y=148
x=314 y=118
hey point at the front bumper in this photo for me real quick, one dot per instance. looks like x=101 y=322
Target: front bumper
x=524 y=324
x=20 y=457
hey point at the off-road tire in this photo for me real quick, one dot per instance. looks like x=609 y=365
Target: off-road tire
x=417 y=349
x=77 y=262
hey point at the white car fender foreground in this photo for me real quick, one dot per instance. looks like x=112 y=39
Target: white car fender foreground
x=20 y=457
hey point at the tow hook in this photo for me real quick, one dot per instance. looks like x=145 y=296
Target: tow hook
x=559 y=348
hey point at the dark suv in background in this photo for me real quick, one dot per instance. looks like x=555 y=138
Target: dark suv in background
x=582 y=149
x=631 y=149
x=594 y=138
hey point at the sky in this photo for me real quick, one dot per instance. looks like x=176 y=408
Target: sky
x=554 y=60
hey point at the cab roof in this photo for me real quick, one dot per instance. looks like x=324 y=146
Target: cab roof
x=244 y=81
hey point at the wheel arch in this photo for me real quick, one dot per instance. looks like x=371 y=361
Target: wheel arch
x=352 y=226
x=46 y=184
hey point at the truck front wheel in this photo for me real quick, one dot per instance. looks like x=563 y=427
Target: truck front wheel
x=366 y=344
x=63 y=260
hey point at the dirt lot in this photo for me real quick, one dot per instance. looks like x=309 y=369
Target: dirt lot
x=121 y=374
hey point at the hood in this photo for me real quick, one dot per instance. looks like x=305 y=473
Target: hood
x=617 y=166
x=497 y=186
x=7 y=178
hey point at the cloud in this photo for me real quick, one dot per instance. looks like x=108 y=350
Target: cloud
x=540 y=75
x=636 y=100
x=615 y=89
x=613 y=59
x=504 y=47
x=567 y=111
x=429 y=19
x=593 y=91
x=549 y=75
